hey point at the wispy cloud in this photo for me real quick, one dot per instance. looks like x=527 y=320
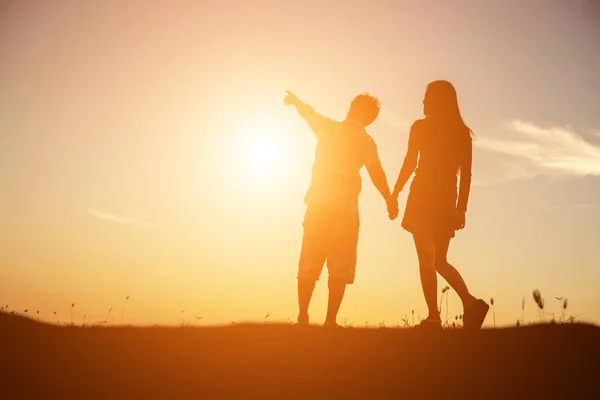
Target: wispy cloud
x=111 y=217
x=394 y=120
x=554 y=150
x=567 y=206
x=503 y=172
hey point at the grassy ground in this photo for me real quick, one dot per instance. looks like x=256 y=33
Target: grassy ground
x=284 y=361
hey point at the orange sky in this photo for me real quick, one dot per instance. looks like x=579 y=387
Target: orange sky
x=145 y=151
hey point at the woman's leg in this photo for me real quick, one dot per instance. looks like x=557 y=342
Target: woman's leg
x=449 y=273
x=426 y=252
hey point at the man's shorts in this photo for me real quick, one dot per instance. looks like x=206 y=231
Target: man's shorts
x=332 y=235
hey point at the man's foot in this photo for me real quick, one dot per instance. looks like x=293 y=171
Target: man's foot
x=475 y=314
x=430 y=324
x=333 y=324
x=303 y=320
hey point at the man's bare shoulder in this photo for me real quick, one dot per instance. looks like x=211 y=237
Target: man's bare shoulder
x=322 y=126
x=368 y=138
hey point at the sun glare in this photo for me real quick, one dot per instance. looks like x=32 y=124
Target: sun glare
x=265 y=157
x=261 y=153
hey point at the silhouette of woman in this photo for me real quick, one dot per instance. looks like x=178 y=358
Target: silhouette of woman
x=442 y=144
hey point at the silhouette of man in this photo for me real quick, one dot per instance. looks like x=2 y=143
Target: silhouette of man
x=331 y=222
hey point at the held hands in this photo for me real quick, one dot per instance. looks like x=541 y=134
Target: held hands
x=392 y=207
x=290 y=98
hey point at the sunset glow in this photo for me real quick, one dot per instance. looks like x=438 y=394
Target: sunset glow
x=265 y=158
x=145 y=151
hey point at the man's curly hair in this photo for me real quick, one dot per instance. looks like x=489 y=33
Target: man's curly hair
x=364 y=109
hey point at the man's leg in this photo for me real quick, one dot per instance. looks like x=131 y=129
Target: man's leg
x=341 y=262
x=336 y=295
x=312 y=259
x=305 y=291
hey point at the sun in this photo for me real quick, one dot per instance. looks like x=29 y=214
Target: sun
x=265 y=159
x=263 y=154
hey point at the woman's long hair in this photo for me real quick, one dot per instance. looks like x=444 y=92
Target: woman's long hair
x=441 y=103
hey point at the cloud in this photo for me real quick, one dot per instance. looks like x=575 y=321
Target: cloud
x=111 y=217
x=501 y=171
x=566 y=206
x=394 y=120
x=555 y=150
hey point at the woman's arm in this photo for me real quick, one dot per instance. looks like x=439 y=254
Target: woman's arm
x=410 y=162
x=465 y=178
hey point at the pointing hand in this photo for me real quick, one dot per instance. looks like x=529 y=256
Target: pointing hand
x=290 y=98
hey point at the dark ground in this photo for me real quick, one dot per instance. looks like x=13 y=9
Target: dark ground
x=284 y=361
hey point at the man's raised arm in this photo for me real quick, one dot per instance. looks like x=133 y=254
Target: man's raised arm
x=305 y=111
x=318 y=123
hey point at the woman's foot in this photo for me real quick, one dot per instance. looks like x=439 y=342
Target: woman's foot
x=475 y=314
x=430 y=323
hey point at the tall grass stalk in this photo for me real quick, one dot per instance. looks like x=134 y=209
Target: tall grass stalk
x=493 y=310
x=123 y=309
